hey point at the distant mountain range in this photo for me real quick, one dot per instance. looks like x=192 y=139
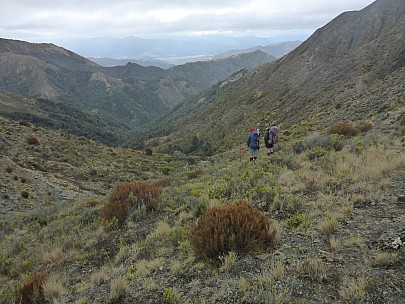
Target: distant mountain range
x=132 y=93
x=276 y=50
x=163 y=48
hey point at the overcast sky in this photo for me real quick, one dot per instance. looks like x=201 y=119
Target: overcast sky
x=51 y=20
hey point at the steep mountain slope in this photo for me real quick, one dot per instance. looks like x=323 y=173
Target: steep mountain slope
x=131 y=93
x=350 y=69
x=49 y=114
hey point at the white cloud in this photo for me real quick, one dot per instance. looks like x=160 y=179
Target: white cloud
x=47 y=20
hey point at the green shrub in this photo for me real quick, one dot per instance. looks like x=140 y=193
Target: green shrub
x=316 y=153
x=200 y=209
x=295 y=221
x=298 y=146
x=238 y=227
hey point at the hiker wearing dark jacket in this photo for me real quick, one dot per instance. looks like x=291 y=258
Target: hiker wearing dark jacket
x=253 y=143
x=270 y=138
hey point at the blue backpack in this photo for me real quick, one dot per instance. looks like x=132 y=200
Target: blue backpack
x=254 y=140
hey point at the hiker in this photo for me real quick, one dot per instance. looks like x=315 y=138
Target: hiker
x=270 y=138
x=258 y=134
x=253 y=143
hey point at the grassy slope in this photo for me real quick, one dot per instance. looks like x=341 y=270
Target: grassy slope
x=339 y=214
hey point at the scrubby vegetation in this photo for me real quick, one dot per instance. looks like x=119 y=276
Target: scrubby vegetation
x=314 y=221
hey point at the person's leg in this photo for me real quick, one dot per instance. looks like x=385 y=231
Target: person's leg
x=251 y=151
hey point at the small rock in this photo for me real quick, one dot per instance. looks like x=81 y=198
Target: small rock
x=401 y=199
x=263 y=257
x=397 y=243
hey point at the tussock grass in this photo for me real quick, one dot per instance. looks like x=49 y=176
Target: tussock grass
x=277 y=270
x=53 y=289
x=329 y=226
x=99 y=277
x=163 y=229
x=228 y=261
x=385 y=258
x=335 y=244
x=353 y=289
x=118 y=288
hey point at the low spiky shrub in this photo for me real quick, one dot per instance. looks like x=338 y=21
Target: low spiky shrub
x=238 y=227
x=127 y=196
x=32 y=291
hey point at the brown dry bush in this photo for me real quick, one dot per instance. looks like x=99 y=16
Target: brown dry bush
x=24 y=122
x=130 y=195
x=364 y=126
x=32 y=290
x=343 y=128
x=194 y=174
x=32 y=140
x=238 y=227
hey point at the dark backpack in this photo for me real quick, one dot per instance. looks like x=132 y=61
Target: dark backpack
x=254 y=140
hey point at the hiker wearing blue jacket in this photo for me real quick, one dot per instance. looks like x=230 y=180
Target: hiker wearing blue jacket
x=253 y=143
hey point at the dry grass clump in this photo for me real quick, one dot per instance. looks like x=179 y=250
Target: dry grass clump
x=354 y=290
x=228 y=261
x=335 y=244
x=385 y=258
x=316 y=269
x=238 y=227
x=31 y=291
x=118 y=288
x=130 y=195
x=53 y=289
x=329 y=226
x=277 y=270
x=52 y=255
x=99 y=277
x=163 y=229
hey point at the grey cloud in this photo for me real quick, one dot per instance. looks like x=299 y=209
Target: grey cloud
x=95 y=18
